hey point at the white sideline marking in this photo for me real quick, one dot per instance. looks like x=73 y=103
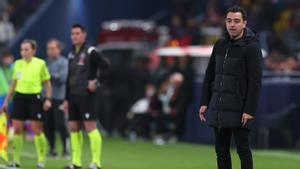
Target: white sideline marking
x=278 y=154
x=3 y=166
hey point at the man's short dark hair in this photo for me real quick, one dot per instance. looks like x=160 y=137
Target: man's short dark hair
x=82 y=28
x=238 y=9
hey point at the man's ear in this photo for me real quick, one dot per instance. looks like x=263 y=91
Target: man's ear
x=245 y=23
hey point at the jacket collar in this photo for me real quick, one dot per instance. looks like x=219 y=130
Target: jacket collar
x=81 y=47
x=249 y=36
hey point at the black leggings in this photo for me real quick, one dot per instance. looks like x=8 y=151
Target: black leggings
x=222 y=147
x=54 y=120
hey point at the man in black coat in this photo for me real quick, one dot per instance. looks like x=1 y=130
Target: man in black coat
x=231 y=88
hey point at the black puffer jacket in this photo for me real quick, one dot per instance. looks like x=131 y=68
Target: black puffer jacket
x=233 y=80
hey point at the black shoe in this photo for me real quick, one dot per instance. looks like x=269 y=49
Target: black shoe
x=52 y=153
x=72 y=166
x=65 y=154
x=13 y=165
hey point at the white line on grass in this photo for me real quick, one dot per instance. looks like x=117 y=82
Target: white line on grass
x=278 y=154
x=28 y=155
x=33 y=156
x=3 y=166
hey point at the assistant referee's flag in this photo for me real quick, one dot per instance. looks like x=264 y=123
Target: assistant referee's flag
x=3 y=137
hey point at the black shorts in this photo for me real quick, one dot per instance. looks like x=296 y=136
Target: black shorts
x=27 y=107
x=81 y=108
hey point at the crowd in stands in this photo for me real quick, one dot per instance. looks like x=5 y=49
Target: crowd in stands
x=276 y=22
x=13 y=15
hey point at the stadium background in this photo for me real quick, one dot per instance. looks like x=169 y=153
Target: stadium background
x=188 y=23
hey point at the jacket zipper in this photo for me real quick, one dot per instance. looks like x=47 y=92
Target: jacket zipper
x=221 y=85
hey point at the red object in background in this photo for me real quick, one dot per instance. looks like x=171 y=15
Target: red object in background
x=183 y=41
x=128 y=31
x=127 y=35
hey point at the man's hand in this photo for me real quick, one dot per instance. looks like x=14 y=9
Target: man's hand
x=92 y=85
x=66 y=107
x=47 y=105
x=202 y=110
x=245 y=118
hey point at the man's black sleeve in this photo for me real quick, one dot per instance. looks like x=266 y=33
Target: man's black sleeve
x=208 y=79
x=254 y=73
x=101 y=63
x=67 y=81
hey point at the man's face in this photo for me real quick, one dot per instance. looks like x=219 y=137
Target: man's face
x=77 y=36
x=53 y=50
x=235 y=24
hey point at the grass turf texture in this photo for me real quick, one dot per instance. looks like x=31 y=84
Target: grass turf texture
x=121 y=154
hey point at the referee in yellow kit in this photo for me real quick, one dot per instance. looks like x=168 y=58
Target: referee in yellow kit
x=29 y=75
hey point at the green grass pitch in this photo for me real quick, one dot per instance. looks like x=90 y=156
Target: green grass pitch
x=122 y=154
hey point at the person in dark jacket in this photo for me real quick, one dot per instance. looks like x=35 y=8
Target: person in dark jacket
x=85 y=63
x=231 y=88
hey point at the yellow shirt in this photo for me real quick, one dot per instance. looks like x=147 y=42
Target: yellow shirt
x=30 y=75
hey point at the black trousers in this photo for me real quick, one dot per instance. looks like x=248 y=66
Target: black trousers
x=54 y=120
x=140 y=124
x=222 y=147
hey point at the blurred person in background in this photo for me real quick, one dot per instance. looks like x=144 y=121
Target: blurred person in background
x=163 y=108
x=184 y=66
x=55 y=118
x=6 y=71
x=6 y=64
x=82 y=81
x=231 y=88
x=7 y=30
x=139 y=115
x=29 y=74
x=6 y=74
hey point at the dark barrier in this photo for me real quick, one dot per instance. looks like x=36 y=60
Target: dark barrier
x=275 y=96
